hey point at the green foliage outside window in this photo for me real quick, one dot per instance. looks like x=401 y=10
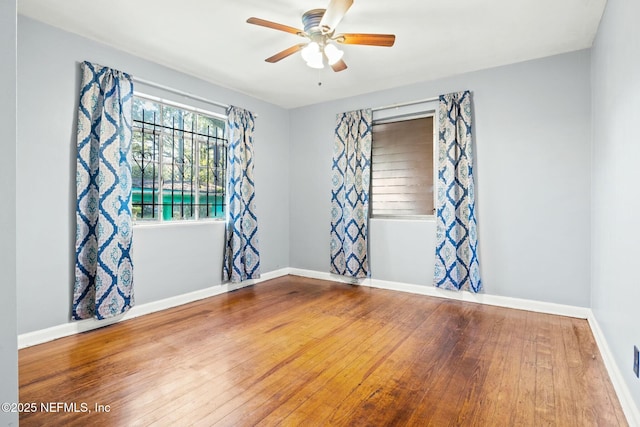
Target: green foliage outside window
x=179 y=162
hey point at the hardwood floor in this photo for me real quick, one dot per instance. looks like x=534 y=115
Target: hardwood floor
x=295 y=351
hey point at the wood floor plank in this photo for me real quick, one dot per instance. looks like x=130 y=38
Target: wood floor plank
x=444 y=365
x=467 y=384
x=507 y=391
x=565 y=409
x=524 y=411
x=545 y=393
x=291 y=362
x=490 y=386
x=329 y=384
x=296 y=351
x=276 y=344
x=577 y=378
x=598 y=386
x=347 y=375
x=386 y=381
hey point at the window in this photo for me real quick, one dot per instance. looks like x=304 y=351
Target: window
x=179 y=159
x=402 y=173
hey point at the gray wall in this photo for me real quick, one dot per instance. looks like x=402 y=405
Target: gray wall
x=616 y=148
x=48 y=80
x=532 y=138
x=8 y=339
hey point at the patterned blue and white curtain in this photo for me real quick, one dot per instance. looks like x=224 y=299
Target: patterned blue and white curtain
x=456 y=266
x=241 y=257
x=350 y=194
x=104 y=271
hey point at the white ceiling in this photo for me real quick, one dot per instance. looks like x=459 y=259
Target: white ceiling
x=211 y=39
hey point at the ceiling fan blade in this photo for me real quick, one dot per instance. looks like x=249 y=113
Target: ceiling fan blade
x=334 y=14
x=275 y=26
x=287 y=52
x=386 y=40
x=339 y=66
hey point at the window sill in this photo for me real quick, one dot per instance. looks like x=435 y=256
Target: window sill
x=180 y=223
x=407 y=218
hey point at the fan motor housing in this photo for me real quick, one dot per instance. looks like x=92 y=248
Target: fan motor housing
x=311 y=21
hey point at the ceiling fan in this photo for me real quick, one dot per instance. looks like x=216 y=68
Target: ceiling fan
x=319 y=29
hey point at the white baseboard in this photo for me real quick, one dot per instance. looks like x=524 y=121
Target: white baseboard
x=44 y=335
x=496 y=300
x=629 y=406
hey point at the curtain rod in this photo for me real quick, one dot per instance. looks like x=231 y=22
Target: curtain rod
x=180 y=92
x=404 y=104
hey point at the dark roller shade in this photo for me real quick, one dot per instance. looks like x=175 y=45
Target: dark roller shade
x=402 y=168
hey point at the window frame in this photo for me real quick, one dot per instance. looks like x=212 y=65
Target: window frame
x=399 y=114
x=196 y=219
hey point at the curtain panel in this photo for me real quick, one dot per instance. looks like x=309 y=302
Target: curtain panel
x=242 y=256
x=456 y=263
x=350 y=194
x=104 y=272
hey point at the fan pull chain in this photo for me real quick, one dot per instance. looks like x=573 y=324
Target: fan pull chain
x=319 y=80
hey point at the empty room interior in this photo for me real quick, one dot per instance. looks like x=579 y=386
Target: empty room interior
x=327 y=212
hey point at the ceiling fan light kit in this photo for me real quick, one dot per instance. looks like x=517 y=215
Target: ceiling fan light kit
x=312 y=55
x=319 y=29
x=333 y=53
